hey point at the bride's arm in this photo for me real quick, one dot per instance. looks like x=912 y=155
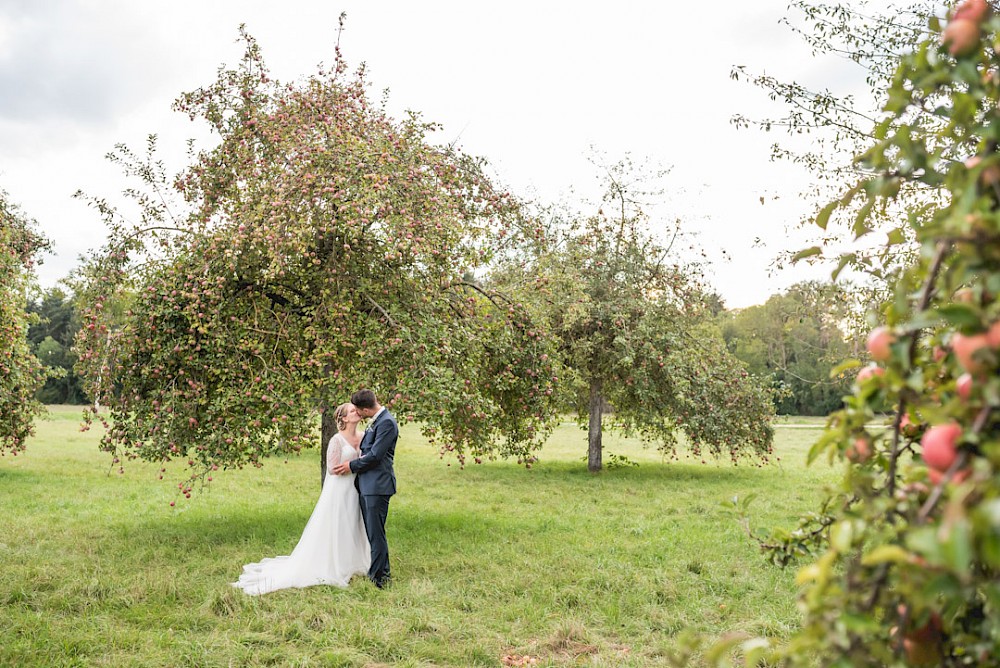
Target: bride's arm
x=333 y=450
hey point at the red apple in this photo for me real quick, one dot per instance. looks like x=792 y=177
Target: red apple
x=961 y=37
x=972 y=10
x=909 y=428
x=879 y=344
x=859 y=451
x=868 y=372
x=936 y=476
x=963 y=386
x=939 y=445
x=966 y=347
x=993 y=335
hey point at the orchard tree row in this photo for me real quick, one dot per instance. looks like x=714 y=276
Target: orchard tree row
x=789 y=344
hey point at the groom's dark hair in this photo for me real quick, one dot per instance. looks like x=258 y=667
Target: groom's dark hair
x=364 y=399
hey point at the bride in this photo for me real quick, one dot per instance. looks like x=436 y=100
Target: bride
x=334 y=545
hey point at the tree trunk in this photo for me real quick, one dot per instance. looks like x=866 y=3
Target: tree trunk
x=594 y=448
x=327 y=430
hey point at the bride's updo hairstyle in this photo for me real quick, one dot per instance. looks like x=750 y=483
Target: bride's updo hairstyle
x=340 y=414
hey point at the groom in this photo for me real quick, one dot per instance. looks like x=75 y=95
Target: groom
x=376 y=480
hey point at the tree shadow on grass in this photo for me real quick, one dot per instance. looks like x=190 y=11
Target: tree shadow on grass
x=8 y=475
x=279 y=529
x=652 y=473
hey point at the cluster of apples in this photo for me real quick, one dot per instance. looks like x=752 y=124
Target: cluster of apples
x=977 y=354
x=880 y=347
x=963 y=33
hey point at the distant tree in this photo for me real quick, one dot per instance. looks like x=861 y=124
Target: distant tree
x=51 y=338
x=793 y=341
x=20 y=371
x=634 y=332
x=319 y=247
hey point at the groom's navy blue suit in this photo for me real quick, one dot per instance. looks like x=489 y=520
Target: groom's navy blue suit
x=376 y=483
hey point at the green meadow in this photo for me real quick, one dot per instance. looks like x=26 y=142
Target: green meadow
x=489 y=562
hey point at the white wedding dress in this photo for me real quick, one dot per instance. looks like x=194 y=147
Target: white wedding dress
x=333 y=547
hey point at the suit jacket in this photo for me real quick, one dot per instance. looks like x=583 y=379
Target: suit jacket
x=374 y=466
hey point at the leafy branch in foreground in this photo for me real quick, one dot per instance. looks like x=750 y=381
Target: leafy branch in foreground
x=908 y=572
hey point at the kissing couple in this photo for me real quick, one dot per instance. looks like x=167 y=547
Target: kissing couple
x=345 y=535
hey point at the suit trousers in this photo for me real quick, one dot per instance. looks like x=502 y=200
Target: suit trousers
x=374 y=511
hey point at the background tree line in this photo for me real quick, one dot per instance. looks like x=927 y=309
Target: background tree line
x=794 y=340
x=51 y=340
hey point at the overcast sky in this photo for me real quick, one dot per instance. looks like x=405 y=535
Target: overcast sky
x=532 y=86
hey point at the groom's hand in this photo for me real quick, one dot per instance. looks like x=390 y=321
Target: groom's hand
x=342 y=469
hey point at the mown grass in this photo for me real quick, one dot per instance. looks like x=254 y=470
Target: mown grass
x=551 y=562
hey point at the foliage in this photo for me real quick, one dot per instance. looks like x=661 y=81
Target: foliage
x=51 y=338
x=319 y=247
x=633 y=328
x=907 y=554
x=20 y=371
x=793 y=341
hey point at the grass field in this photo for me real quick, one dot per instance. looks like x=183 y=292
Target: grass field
x=493 y=560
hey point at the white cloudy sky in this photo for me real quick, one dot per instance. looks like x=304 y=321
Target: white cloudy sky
x=530 y=85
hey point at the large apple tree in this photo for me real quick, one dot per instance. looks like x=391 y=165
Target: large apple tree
x=634 y=331
x=21 y=374
x=904 y=557
x=320 y=246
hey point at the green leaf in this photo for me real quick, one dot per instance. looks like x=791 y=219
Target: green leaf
x=960 y=315
x=861 y=226
x=886 y=553
x=845 y=259
x=846 y=365
x=808 y=252
x=923 y=320
x=720 y=650
x=957 y=545
x=823 y=443
x=924 y=541
x=823 y=217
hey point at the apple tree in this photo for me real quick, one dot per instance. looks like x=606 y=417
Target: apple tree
x=320 y=246
x=634 y=329
x=21 y=374
x=904 y=557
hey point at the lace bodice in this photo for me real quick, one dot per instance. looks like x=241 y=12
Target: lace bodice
x=339 y=451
